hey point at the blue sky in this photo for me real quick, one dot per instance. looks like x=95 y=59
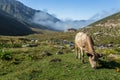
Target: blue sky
x=73 y=9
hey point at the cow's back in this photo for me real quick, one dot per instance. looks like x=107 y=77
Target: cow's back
x=81 y=39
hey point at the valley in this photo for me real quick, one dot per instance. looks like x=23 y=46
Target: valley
x=51 y=56
x=36 y=45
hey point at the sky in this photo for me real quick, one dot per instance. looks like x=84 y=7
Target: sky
x=73 y=9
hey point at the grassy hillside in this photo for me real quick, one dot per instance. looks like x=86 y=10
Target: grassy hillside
x=34 y=63
x=106 y=30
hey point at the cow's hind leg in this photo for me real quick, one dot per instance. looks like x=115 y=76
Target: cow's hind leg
x=79 y=55
x=82 y=55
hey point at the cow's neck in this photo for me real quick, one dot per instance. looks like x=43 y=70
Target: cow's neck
x=90 y=46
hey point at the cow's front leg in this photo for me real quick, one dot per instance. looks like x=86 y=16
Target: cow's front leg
x=76 y=52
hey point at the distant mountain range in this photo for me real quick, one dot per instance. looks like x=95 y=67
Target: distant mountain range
x=32 y=18
x=94 y=18
x=64 y=25
x=23 y=13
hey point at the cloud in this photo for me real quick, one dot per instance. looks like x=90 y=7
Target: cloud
x=45 y=19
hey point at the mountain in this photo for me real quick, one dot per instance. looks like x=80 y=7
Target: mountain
x=106 y=30
x=27 y=14
x=43 y=20
x=10 y=26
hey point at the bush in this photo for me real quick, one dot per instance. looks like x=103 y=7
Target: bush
x=5 y=55
x=17 y=45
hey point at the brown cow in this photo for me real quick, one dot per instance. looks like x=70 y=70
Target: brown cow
x=84 y=43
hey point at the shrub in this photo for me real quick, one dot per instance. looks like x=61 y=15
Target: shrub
x=5 y=55
x=17 y=45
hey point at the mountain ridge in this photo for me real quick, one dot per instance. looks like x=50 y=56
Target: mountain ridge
x=22 y=12
x=10 y=26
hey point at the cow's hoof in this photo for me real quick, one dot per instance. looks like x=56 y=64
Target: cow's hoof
x=94 y=67
x=83 y=62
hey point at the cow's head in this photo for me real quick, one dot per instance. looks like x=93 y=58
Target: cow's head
x=93 y=59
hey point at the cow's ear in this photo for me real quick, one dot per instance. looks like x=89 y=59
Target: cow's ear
x=89 y=55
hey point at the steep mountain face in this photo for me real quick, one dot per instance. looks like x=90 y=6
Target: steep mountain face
x=106 y=31
x=10 y=26
x=17 y=9
x=22 y=12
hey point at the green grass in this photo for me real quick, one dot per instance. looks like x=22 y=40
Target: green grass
x=29 y=64
x=68 y=69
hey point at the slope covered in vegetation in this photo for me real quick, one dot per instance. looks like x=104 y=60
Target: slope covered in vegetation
x=106 y=30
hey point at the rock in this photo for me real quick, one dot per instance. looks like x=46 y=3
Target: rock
x=59 y=52
x=25 y=45
x=33 y=45
x=55 y=60
x=45 y=53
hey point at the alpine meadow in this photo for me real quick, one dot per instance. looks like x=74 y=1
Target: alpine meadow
x=37 y=45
